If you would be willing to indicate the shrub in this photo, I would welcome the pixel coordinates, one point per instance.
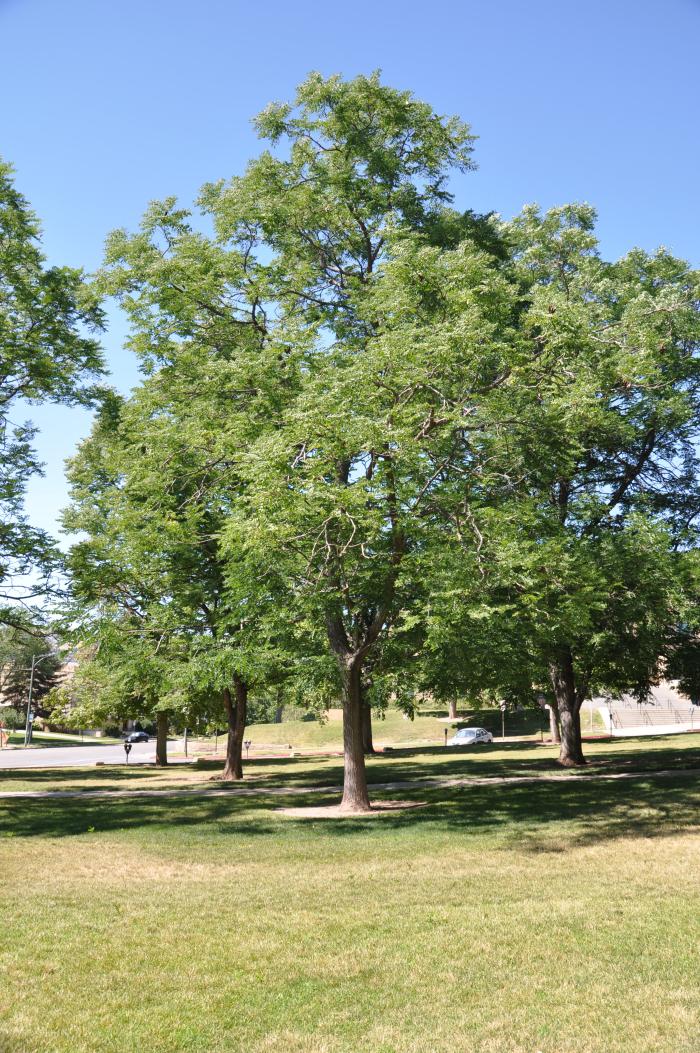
(12, 718)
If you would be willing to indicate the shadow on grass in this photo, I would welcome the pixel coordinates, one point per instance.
(409, 764)
(38, 777)
(500, 760)
(534, 817)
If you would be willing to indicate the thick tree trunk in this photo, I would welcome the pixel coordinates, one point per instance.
(570, 753)
(568, 704)
(355, 793)
(554, 722)
(452, 709)
(161, 739)
(236, 713)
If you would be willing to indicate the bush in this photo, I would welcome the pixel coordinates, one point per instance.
(12, 718)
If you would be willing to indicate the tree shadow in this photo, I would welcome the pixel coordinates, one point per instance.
(546, 816)
(117, 773)
(414, 763)
(68, 817)
(538, 816)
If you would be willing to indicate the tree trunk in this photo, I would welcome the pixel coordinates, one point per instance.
(355, 793)
(564, 684)
(554, 722)
(367, 742)
(452, 709)
(161, 739)
(236, 714)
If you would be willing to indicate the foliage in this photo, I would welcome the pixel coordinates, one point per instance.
(46, 354)
(383, 448)
(12, 718)
(18, 649)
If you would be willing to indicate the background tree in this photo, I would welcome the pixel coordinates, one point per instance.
(150, 497)
(602, 455)
(17, 651)
(119, 678)
(45, 355)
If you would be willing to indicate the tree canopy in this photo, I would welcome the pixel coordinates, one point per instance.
(48, 352)
(382, 446)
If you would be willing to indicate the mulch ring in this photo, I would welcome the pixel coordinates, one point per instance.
(334, 811)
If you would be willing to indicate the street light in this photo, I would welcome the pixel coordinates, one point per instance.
(30, 714)
(542, 703)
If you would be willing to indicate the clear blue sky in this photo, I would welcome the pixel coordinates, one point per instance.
(107, 105)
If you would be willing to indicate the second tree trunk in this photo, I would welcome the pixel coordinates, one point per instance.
(367, 740)
(236, 707)
(355, 793)
(161, 739)
(554, 723)
(568, 705)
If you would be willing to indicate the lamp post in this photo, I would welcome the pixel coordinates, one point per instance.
(30, 716)
(542, 703)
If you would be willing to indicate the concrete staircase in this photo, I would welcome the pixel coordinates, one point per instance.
(666, 712)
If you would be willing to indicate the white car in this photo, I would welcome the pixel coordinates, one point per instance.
(470, 736)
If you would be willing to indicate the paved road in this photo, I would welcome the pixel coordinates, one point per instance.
(76, 756)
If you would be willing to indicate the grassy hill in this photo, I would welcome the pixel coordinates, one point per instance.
(393, 730)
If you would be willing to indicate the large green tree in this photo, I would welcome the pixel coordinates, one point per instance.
(47, 353)
(279, 291)
(598, 464)
(355, 163)
(339, 495)
(121, 675)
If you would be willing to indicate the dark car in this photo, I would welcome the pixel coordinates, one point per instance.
(136, 736)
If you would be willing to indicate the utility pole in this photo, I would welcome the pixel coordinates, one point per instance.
(30, 716)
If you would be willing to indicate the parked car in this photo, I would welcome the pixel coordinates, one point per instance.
(470, 736)
(136, 736)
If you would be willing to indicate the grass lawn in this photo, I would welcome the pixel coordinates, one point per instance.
(416, 763)
(46, 739)
(394, 728)
(554, 916)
